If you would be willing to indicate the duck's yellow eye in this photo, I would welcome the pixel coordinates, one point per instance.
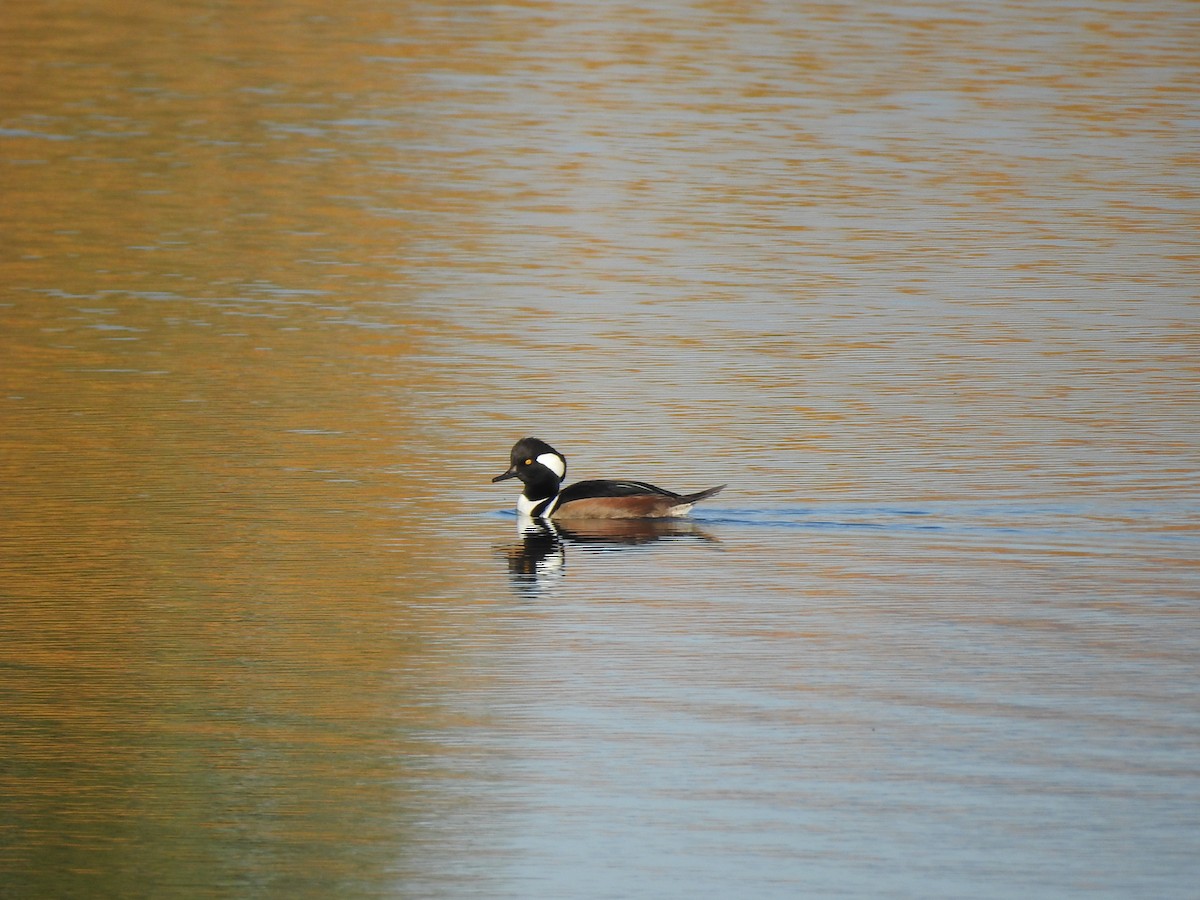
(529, 462)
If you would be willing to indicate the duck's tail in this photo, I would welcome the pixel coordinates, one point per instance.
(685, 503)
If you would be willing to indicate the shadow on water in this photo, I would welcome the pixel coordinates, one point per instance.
(539, 559)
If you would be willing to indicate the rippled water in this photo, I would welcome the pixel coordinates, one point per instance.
(283, 283)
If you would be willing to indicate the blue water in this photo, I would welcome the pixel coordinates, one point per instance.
(943, 702)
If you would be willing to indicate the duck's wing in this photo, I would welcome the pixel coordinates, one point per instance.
(603, 487)
(623, 500)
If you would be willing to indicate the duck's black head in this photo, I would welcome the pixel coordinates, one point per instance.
(538, 465)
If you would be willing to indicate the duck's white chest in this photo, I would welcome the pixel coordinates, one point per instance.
(527, 507)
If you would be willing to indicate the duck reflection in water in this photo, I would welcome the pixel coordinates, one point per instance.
(539, 560)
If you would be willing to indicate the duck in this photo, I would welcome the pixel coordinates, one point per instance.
(542, 469)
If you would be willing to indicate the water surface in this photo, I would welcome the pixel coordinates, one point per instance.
(282, 285)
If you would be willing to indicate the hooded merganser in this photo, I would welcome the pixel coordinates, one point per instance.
(542, 469)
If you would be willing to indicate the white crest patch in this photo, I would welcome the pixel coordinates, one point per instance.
(554, 463)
